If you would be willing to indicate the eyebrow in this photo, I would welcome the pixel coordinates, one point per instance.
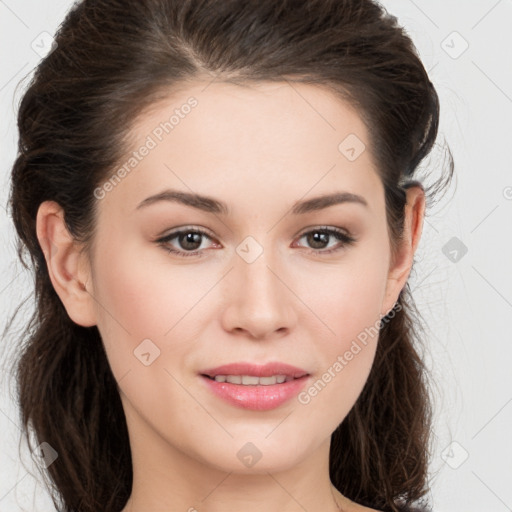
(211, 205)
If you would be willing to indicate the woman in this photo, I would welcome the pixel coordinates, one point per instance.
(219, 202)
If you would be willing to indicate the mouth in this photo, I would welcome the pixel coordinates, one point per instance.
(254, 387)
(252, 380)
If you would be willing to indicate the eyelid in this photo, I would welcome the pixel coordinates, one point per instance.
(186, 227)
(325, 227)
(302, 232)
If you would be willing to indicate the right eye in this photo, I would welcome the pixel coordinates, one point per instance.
(190, 240)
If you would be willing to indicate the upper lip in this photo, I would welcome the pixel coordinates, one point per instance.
(265, 370)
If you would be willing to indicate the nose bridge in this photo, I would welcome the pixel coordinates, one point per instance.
(259, 301)
(259, 282)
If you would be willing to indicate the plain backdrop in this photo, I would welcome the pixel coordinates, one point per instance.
(461, 281)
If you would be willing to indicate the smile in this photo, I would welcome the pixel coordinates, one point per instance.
(252, 380)
(255, 387)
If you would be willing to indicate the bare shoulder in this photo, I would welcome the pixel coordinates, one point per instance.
(360, 508)
(351, 506)
(355, 507)
(348, 505)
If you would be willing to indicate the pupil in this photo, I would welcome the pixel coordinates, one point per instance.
(318, 240)
(190, 238)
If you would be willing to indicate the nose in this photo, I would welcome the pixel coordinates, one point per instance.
(259, 302)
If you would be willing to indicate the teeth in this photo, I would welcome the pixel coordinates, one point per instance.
(275, 379)
(247, 380)
(251, 380)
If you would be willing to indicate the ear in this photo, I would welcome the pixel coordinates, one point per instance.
(68, 267)
(401, 262)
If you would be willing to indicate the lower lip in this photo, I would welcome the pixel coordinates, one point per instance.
(256, 398)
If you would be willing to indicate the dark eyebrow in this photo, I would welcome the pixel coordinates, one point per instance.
(205, 203)
(320, 202)
(210, 205)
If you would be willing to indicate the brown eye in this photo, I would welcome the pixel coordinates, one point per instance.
(187, 242)
(190, 240)
(319, 239)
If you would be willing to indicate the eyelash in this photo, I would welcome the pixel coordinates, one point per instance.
(345, 239)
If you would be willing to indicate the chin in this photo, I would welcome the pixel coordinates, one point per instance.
(253, 457)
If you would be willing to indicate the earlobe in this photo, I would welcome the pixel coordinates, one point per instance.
(403, 259)
(68, 267)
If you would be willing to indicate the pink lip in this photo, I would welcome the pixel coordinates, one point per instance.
(266, 370)
(258, 397)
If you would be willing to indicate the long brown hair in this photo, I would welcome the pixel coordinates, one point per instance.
(113, 59)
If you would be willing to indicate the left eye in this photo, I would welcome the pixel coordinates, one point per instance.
(190, 241)
(318, 237)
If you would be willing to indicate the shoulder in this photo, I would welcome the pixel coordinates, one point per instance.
(355, 507)
(348, 505)
(416, 508)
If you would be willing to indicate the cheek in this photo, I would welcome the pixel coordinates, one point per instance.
(348, 300)
(348, 295)
(347, 356)
(141, 297)
(135, 303)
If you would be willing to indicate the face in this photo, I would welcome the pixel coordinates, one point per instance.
(260, 271)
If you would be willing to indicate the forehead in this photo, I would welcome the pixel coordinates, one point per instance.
(263, 109)
(277, 138)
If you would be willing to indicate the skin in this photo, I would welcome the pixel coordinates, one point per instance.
(259, 148)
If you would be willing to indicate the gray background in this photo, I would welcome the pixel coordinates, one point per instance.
(466, 299)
